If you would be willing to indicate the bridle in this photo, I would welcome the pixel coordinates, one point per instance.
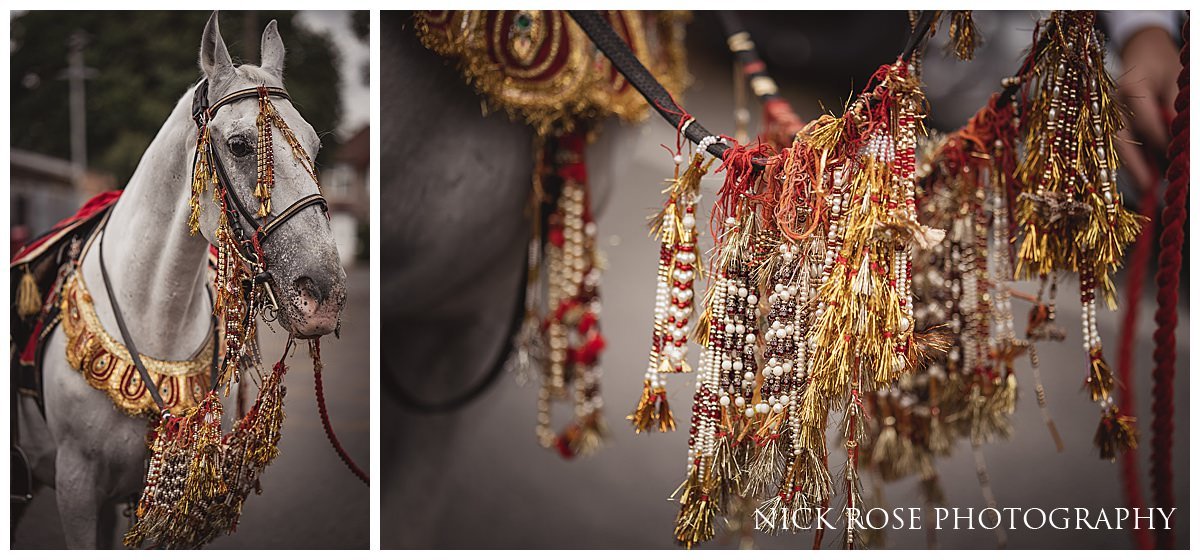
(249, 246)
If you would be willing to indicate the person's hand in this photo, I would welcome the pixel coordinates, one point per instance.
(1150, 59)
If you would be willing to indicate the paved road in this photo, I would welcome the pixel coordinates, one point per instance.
(309, 500)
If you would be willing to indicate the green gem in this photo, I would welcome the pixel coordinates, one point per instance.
(524, 21)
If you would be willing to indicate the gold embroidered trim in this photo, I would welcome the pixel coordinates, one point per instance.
(539, 66)
(106, 364)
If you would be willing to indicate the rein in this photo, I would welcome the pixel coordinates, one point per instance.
(134, 354)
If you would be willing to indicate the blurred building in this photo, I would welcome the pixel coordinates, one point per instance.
(345, 187)
(44, 190)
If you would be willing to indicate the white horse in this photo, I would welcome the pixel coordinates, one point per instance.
(91, 453)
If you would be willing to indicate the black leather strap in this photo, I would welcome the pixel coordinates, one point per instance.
(618, 52)
(314, 199)
(231, 196)
(245, 94)
(129, 344)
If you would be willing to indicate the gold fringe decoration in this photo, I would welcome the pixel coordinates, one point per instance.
(203, 175)
(652, 409)
(29, 297)
(666, 421)
(964, 35)
(694, 524)
(1116, 434)
(644, 415)
(264, 155)
(679, 267)
(1070, 212)
(198, 480)
(585, 435)
(1100, 379)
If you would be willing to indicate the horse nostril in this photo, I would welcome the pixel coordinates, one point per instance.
(306, 286)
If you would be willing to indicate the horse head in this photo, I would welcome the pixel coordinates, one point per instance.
(300, 255)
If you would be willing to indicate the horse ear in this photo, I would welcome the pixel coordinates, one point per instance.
(214, 56)
(272, 51)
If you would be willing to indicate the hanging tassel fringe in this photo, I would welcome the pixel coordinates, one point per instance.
(694, 524)
(29, 297)
(1116, 434)
(964, 35)
(1100, 377)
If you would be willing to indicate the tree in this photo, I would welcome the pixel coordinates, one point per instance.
(144, 62)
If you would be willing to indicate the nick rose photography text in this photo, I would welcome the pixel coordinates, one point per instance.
(1012, 518)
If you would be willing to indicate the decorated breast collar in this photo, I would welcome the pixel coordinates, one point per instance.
(107, 365)
(539, 66)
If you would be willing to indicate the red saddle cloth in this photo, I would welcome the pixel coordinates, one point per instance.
(93, 208)
(42, 259)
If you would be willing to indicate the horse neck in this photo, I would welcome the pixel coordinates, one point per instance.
(156, 268)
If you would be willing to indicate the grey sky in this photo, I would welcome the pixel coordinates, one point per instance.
(355, 56)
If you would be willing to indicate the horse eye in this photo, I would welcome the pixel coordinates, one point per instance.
(239, 147)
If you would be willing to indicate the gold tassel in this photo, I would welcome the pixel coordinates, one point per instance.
(694, 524)
(928, 345)
(885, 450)
(964, 35)
(588, 436)
(1004, 400)
(788, 504)
(765, 466)
(725, 464)
(1116, 434)
(29, 297)
(813, 478)
(204, 480)
(1100, 378)
(643, 415)
(201, 177)
(666, 420)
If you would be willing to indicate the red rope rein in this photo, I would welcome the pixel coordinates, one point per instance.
(1170, 261)
(314, 348)
(1139, 263)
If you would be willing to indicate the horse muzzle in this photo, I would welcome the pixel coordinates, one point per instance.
(315, 308)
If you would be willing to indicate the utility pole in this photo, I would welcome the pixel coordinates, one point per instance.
(250, 37)
(76, 76)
